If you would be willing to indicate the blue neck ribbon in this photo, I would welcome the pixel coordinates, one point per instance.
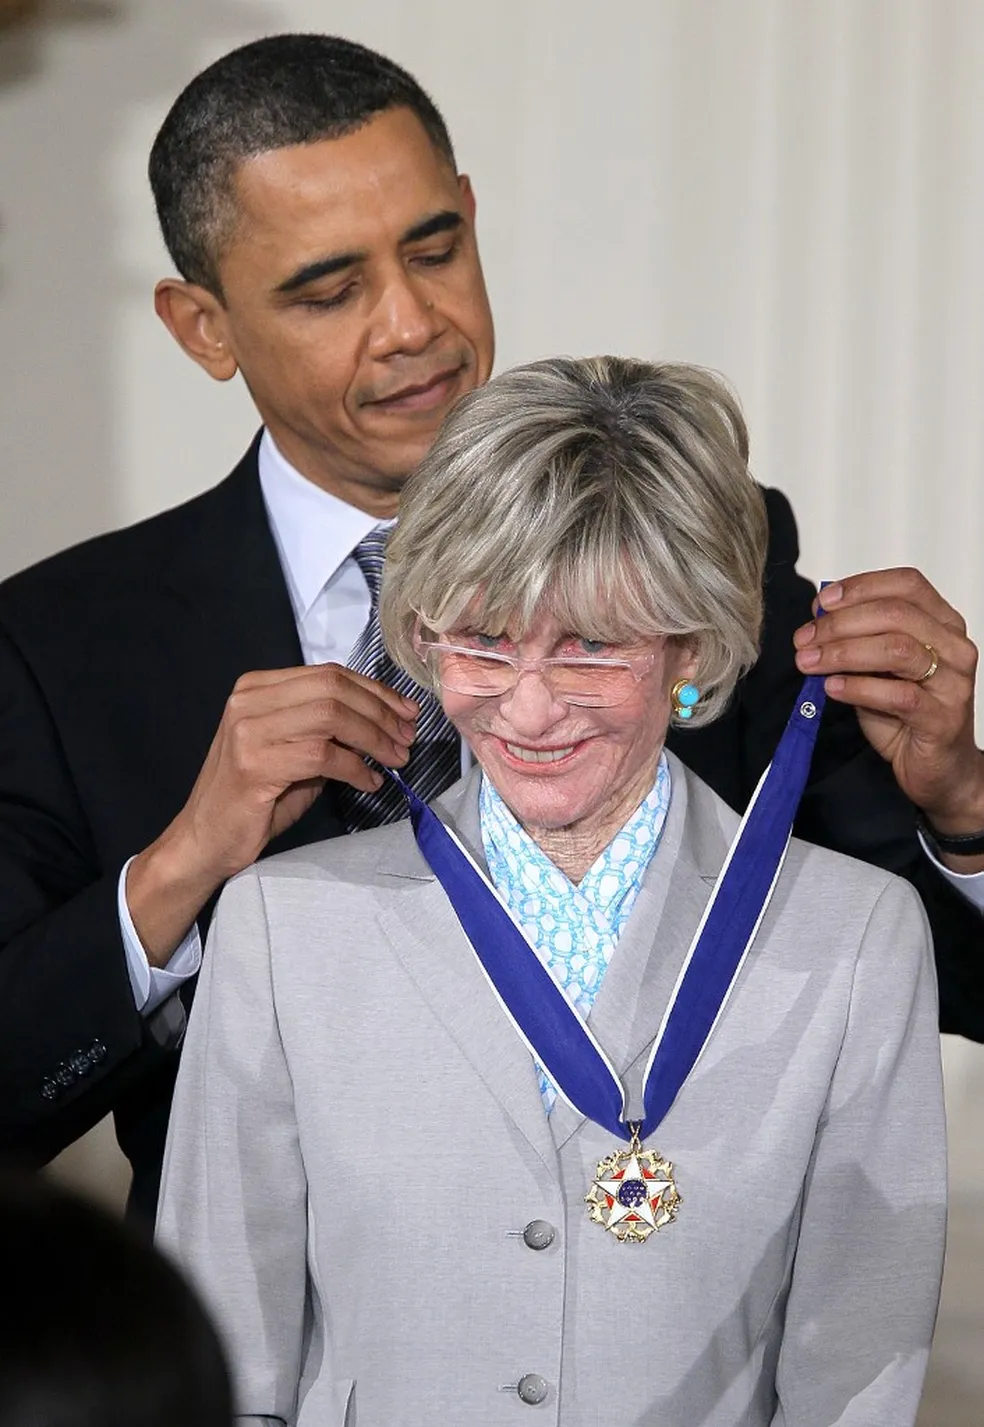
(540, 1012)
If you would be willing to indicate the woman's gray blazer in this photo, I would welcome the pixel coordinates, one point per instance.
(358, 1143)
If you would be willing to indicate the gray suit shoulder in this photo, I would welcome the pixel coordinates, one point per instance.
(348, 857)
(357, 855)
(838, 869)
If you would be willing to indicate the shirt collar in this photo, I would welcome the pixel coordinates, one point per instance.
(314, 531)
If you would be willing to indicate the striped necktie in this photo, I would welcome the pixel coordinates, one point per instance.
(435, 756)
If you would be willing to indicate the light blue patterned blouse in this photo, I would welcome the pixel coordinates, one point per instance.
(574, 928)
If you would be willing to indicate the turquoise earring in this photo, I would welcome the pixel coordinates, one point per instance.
(684, 695)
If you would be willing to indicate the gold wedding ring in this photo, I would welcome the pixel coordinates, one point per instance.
(934, 664)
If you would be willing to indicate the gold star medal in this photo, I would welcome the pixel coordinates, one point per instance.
(634, 1193)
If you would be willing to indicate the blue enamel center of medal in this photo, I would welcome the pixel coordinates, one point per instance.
(632, 1193)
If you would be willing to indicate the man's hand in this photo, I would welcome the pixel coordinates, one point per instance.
(878, 641)
(284, 732)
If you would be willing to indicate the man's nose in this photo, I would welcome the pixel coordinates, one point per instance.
(405, 319)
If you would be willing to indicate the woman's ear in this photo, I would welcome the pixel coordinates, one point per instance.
(687, 660)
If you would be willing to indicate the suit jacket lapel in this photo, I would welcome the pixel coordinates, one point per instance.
(230, 613)
(228, 571)
(644, 969)
(435, 953)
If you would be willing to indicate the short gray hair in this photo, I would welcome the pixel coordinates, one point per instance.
(614, 492)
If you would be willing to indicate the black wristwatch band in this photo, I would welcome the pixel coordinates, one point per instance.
(963, 844)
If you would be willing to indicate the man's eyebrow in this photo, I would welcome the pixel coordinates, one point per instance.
(447, 221)
(323, 267)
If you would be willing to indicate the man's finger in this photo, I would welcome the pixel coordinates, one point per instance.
(333, 695)
(329, 677)
(904, 656)
(344, 766)
(882, 637)
(325, 720)
(276, 770)
(930, 708)
(903, 584)
(874, 617)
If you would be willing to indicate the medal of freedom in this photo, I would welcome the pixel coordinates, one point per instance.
(634, 1193)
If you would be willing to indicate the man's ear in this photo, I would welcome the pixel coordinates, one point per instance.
(197, 321)
(467, 195)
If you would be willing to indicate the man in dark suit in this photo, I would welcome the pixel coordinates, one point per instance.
(174, 698)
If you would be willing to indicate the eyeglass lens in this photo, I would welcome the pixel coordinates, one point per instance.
(579, 682)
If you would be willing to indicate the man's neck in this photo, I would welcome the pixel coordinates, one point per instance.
(377, 496)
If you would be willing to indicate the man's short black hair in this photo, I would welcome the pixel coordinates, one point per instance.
(270, 94)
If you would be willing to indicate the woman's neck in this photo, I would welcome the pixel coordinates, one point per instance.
(570, 849)
(576, 848)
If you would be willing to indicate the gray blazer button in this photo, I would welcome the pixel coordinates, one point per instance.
(538, 1234)
(532, 1388)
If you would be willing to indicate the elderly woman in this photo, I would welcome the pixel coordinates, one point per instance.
(564, 1106)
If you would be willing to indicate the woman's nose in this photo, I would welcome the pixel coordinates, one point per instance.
(530, 706)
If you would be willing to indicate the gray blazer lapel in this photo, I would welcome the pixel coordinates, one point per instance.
(644, 969)
(435, 953)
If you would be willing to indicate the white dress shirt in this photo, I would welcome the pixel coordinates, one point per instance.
(970, 885)
(315, 534)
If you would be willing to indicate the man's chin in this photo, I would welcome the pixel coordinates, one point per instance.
(391, 476)
(391, 485)
(396, 467)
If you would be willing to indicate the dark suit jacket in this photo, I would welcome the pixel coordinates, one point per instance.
(116, 659)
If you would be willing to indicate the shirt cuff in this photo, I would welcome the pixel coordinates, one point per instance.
(153, 984)
(970, 885)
